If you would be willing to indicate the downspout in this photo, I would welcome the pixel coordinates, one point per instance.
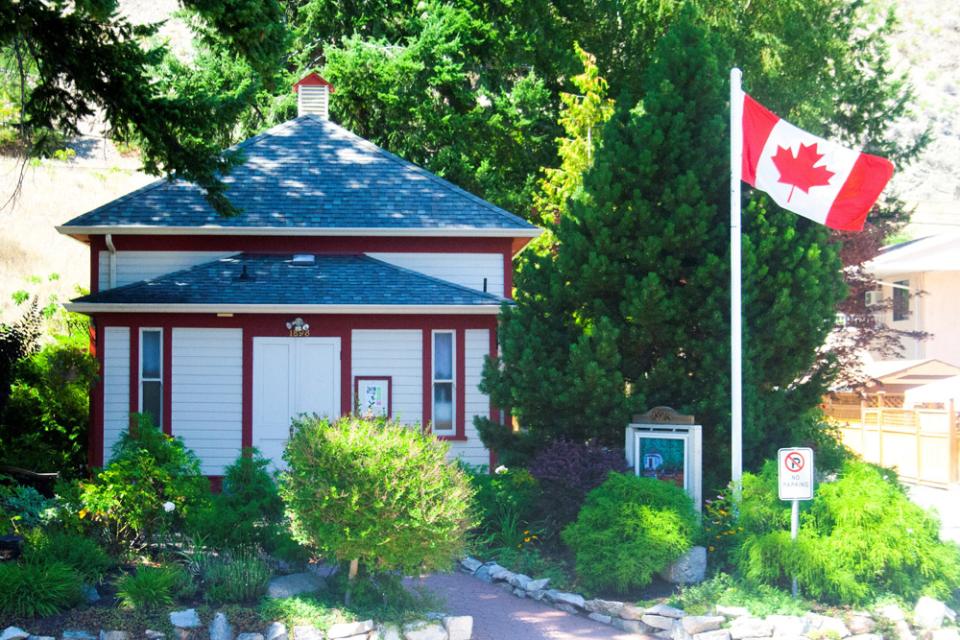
(112, 272)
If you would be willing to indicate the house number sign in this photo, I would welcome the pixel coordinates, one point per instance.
(298, 328)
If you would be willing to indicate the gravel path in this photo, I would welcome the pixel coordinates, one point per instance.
(498, 615)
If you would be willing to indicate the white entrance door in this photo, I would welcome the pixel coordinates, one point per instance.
(292, 376)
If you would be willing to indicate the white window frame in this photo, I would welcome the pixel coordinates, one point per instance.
(452, 431)
(901, 292)
(141, 379)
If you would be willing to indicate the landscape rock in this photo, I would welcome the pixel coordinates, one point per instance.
(861, 623)
(690, 568)
(867, 636)
(499, 573)
(663, 634)
(600, 617)
(891, 612)
(569, 608)
(114, 635)
(788, 626)
(666, 611)
(90, 593)
(631, 612)
(458, 627)
(294, 584)
(562, 597)
(750, 627)
(323, 570)
(520, 593)
(826, 624)
(929, 613)
(41, 638)
(537, 595)
(185, 619)
(606, 607)
(249, 636)
(150, 634)
(903, 631)
(220, 628)
(719, 634)
(484, 572)
(470, 565)
(519, 581)
(276, 631)
(74, 634)
(951, 615)
(701, 624)
(389, 631)
(346, 629)
(678, 632)
(537, 585)
(658, 622)
(307, 632)
(424, 631)
(630, 626)
(731, 612)
(14, 633)
(945, 633)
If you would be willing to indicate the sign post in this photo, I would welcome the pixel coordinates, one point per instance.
(795, 475)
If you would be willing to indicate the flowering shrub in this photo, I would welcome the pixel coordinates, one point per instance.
(125, 502)
(628, 529)
(567, 471)
(504, 504)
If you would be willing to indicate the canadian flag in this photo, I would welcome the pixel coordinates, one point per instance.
(810, 176)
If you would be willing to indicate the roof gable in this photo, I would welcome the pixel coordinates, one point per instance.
(310, 175)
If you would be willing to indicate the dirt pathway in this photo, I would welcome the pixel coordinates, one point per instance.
(498, 615)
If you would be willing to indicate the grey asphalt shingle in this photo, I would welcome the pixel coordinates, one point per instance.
(274, 279)
(311, 173)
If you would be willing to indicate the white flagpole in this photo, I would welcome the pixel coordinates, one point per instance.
(736, 376)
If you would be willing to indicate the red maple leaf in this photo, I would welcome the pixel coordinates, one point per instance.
(798, 171)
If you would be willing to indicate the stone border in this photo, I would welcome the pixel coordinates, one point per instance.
(726, 623)
(439, 627)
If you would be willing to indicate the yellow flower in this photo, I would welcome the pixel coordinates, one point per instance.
(711, 548)
(83, 513)
(526, 533)
(527, 539)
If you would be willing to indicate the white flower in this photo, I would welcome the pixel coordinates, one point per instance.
(500, 470)
(169, 506)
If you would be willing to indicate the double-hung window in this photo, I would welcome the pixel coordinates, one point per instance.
(443, 376)
(901, 300)
(151, 374)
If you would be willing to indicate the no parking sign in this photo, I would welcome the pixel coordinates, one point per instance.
(795, 471)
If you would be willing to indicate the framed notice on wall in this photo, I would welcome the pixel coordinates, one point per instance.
(372, 396)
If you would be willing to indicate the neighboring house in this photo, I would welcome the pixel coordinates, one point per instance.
(350, 279)
(923, 279)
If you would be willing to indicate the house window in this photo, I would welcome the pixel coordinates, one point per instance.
(151, 374)
(901, 300)
(443, 404)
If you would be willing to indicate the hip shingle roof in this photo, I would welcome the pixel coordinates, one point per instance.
(309, 173)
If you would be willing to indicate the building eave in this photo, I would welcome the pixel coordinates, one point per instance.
(217, 230)
(320, 309)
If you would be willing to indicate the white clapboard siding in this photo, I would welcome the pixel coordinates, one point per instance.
(116, 386)
(477, 403)
(134, 266)
(394, 353)
(207, 397)
(467, 269)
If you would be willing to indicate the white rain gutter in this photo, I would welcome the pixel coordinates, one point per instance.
(112, 277)
(359, 309)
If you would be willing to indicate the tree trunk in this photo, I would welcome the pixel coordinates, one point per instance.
(351, 577)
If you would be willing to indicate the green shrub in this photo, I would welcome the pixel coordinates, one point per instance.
(759, 599)
(248, 510)
(628, 529)
(153, 588)
(859, 538)
(504, 505)
(33, 589)
(125, 500)
(240, 577)
(24, 507)
(78, 552)
(376, 492)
